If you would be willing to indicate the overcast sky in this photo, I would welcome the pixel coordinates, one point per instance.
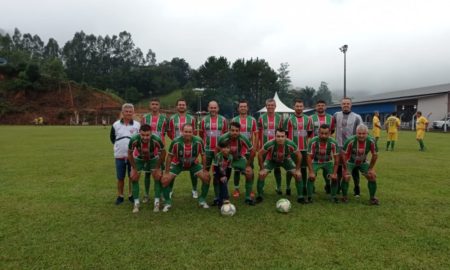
(393, 44)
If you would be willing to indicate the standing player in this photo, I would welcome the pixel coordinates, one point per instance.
(392, 124)
(277, 153)
(158, 123)
(356, 149)
(376, 126)
(182, 156)
(176, 122)
(249, 130)
(146, 154)
(120, 135)
(299, 128)
(212, 127)
(268, 123)
(323, 154)
(421, 127)
(346, 123)
(243, 153)
(320, 117)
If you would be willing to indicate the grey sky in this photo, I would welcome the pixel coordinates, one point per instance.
(393, 45)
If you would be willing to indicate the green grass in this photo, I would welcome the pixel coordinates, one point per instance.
(166, 100)
(57, 211)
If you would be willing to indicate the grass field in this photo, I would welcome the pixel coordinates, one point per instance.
(57, 211)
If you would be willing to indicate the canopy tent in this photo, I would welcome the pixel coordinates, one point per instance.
(281, 107)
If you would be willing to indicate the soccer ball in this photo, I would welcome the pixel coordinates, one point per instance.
(228, 209)
(283, 205)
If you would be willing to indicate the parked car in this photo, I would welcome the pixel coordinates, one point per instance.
(439, 124)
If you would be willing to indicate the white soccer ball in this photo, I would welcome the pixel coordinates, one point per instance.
(228, 209)
(283, 205)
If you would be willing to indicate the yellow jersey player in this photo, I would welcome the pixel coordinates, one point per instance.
(421, 127)
(392, 124)
(376, 129)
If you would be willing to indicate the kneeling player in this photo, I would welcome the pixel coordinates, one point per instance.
(145, 154)
(222, 171)
(322, 151)
(182, 156)
(356, 149)
(277, 153)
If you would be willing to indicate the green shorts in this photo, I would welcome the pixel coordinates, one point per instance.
(146, 165)
(209, 158)
(176, 169)
(288, 164)
(363, 167)
(304, 159)
(327, 167)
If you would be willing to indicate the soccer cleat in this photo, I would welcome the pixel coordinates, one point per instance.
(156, 207)
(215, 202)
(203, 205)
(301, 200)
(357, 196)
(344, 199)
(259, 199)
(327, 189)
(309, 200)
(374, 201)
(119, 200)
(166, 208)
(288, 192)
(130, 198)
(278, 191)
(236, 193)
(357, 191)
(250, 202)
(194, 194)
(145, 199)
(335, 200)
(136, 208)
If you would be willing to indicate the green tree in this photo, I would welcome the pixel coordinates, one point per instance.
(323, 93)
(284, 82)
(307, 94)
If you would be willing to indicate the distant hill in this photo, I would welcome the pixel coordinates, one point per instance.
(71, 104)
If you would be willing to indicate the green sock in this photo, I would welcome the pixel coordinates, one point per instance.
(166, 194)
(288, 180)
(372, 185)
(422, 146)
(392, 145)
(304, 179)
(171, 184)
(236, 179)
(147, 183)
(334, 188)
(387, 144)
(260, 187)
(344, 185)
(205, 188)
(194, 181)
(299, 187)
(157, 189)
(277, 173)
(135, 187)
(248, 188)
(310, 188)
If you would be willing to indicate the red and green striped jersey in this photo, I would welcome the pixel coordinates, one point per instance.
(148, 150)
(223, 162)
(186, 154)
(211, 128)
(356, 151)
(267, 126)
(297, 128)
(176, 123)
(321, 152)
(318, 120)
(278, 153)
(239, 146)
(248, 125)
(159, 124)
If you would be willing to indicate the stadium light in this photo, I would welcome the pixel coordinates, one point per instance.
(344, 50)
(199, 91)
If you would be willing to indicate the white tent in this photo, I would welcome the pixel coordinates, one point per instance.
(281, 107)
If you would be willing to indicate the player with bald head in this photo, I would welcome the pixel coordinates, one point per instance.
(212, 127)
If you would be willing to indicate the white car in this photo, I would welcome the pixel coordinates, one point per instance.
(439, 124)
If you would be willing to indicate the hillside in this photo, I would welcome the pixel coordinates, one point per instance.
(71, 104)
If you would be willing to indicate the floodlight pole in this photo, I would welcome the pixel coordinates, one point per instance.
(344, 50)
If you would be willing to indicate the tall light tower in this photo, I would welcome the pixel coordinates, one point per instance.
(344, 50)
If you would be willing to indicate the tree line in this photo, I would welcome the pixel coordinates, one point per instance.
(115, 64)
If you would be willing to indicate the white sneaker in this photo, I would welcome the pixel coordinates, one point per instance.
(136, 208)
(156, 207)
(203, 205)
(194, 194)
(166, 208)
(145, 199)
